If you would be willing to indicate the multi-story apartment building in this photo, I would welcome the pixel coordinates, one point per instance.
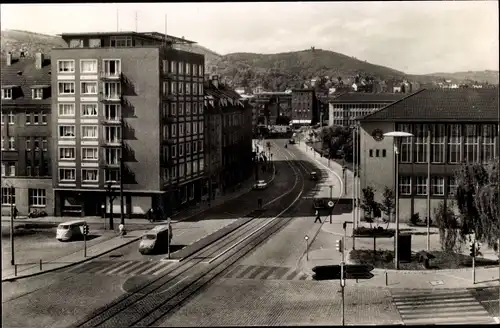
(26, 134)
(344, 109)
(463, 125)
(228, 148)
(273, 105)
(304, 107)
(128, 107)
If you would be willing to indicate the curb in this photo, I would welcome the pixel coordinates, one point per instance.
(71, 264)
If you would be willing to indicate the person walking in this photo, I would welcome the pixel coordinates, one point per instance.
(318, 218)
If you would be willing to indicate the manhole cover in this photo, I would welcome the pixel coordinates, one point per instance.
(437, 282)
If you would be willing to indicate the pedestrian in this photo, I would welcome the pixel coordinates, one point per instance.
(318, 218)
(121, 229)
(259, 202)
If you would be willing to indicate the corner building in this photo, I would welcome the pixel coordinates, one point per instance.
(463, 127)
(128, 96)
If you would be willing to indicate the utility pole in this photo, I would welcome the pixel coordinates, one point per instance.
(12, 213)
(331, 199)
(122, 215)
(428, 188)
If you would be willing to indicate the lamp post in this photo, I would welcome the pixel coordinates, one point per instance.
(111, 198)
(397, 135)
(331, 197)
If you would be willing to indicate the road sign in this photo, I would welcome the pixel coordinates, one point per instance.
(331, 203)
(352, 271)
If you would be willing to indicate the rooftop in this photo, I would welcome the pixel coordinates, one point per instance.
(24, 74)
(429, 105)
(367, 97)
(152, 35)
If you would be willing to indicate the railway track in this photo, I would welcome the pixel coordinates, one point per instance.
(155, 300)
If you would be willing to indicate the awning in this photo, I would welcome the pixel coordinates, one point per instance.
(40, 86)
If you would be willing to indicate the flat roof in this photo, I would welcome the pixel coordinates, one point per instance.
(151, 35)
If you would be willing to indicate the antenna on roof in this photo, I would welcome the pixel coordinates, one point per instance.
(136, 22)
(165, 38)
(117, 21)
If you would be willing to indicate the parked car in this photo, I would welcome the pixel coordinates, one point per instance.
(261, 184)
(291, 141)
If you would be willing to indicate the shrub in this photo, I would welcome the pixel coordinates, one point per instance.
(415, 218)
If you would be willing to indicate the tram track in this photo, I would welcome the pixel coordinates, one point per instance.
(141, 305)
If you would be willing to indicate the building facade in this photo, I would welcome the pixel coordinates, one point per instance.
(462, 124)
(128, 108)
(304, 107)
(344, 109)
(272, 105)
(228, 147)
(26, 134)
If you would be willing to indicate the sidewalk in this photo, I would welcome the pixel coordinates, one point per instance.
(104, 247)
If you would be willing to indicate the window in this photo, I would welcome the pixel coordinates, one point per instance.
(188, 148)
(44, 117)
(90, 175)
(181, 129)
(200, 71)
(421, 185)
(113, 134)
(181, 109)
(112, 175)
(165, 88)
(200, 127)
(195, 127)
(471, 153)
(11, 117)
(173, 172)
(89, 88)
(173, 88)
(112, 112)
(200, 89)
(195, 167)
(89, 110)
(7, 93)
(66, 88)
(188, 88)
(28, 169)
(405, 150)
(377, 153)
(66, 66)
(121, 41)
(405, 185)
(112, 67)
(454, 143)
(182, 168)
(67, 131)
(89, 131)
(2, 144)
(438, 135)
(67, 153)
(28, 117)
(94, 43)
(195, 108)
(188, 168)
(36, 144)
(188, 69)
(36, 118)
(173, 67)
(488, 142)
(88, 66)
(37, 197)
(173, 130)
(200, 146)
(76, 43)
(3, 169)
(28, 143)
(201, 165)
(113, 156)
(67, 174)
(180, 88)
(37, 93)
(195, 146)
(437, 186)
(12, 143)
(452, 186)
(90, 153)
(66, 109)
(45, 143)
(194, 88)
(112, 90)
(384, 153)
(371, 152)
(188, 108)
(181, 150)
(12, 169)
(181, 68)
(8, 196)
(173, 151)
(421, 133)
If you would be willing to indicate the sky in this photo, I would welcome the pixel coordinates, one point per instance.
(414, 37)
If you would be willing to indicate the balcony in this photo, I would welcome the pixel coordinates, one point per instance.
(110, 76)
(116, 120)
(111, 98)
(113, 142)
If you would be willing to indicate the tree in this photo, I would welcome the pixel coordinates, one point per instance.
(388, 204)
(369, 205)
(449, 228)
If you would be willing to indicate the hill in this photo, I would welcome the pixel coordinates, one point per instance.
(491, 77)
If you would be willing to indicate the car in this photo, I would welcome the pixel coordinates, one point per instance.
(261, 184)
(291, 141)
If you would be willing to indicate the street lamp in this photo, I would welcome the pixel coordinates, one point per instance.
(331, 197)
(397, 135)
(111, 198)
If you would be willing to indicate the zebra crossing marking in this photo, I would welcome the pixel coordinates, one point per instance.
(257, 272)
(120, 268)
(440, 307)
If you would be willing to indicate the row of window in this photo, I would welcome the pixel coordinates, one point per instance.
(36, 170)
(111, 133)
(109, 66)
(11, 143)
(69, 175)
(173, 88)
(32, 117)
(184, 169)
(437, 185)
(185, 129)
(378, 153)
(36, 197)
(450, 143)
(181, 109)
(111, 90)
(112, 155)
(186, 148)
(36, 93)
(182, 68)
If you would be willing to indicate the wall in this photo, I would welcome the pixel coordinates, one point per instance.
(22, 185)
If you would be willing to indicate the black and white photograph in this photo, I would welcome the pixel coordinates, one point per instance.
(202, 164)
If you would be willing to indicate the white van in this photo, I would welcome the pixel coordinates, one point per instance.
(155, 240)
(70, 230)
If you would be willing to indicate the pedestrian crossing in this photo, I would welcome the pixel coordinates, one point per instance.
(121, 268)
(440, 307)
(257, 272)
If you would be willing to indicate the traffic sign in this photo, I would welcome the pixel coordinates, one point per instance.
(331, 203)
(352, 271)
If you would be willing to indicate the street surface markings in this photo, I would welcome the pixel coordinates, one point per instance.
(488, 297)
(120, 268)
(265, 273)
(440, 307)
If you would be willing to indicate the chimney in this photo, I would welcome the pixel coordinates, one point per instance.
(39, 60)
(215, 81)
(9, 58)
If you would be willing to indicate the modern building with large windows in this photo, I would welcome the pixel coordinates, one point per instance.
(463, 128)
(129, 107)
(26, 134)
